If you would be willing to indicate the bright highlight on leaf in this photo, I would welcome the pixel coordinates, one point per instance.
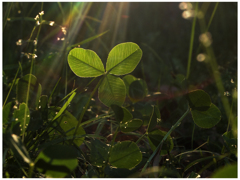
(123, 58)
(21, 117)
(131, 125)
(85, 63)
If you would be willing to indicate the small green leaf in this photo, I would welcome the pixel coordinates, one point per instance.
(230, 141)
(67, 124)
(138, 90)
(123, 58)
(112, 91)
(121, 114)
(199, 100)
(229, 171)
(180, 78)
(43, 102)
(156, 136)
(36, 121)
(98, 152)
(35, 90)
(155, 117)
(130, 125)
(125, 154)
(7, 112)
(128, 79)
(57, 161)
(208, 118)
(22, 116)
(85, 63)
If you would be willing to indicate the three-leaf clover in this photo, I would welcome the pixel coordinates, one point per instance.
(121, 60)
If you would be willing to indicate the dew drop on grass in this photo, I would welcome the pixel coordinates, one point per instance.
(16, 119)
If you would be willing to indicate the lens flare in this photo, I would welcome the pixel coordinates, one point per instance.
(206, 39)
(185, 5)
(188, 14)
(201, 57)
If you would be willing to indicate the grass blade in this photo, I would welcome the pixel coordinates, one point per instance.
(191, 42)
(64, 106)
(14, 80)
(86, 40)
